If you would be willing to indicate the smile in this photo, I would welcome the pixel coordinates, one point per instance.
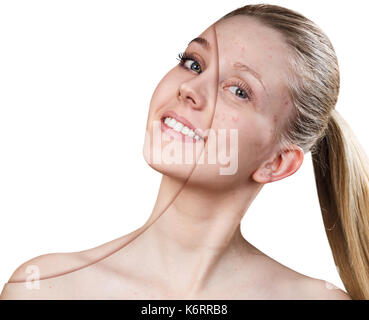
(180, 126)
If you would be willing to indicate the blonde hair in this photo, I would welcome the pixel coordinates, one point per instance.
(340, 165)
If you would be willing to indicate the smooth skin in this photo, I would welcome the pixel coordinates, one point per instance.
(192, 248)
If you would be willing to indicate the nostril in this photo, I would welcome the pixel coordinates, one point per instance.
(193, 101)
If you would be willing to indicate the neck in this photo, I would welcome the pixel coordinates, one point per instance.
(191, 236)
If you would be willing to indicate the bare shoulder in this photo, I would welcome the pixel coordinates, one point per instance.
(52, 265)
(316, 289)
(298, 286)
(45, 266)
(56, 264)
(286, 283)
(32, 271)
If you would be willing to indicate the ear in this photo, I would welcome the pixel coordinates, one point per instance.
(285, 163)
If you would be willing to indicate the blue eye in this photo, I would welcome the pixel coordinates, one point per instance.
(242, 90)
(194, 65)
(239, 92)
(186, 57)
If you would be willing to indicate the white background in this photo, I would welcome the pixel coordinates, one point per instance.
(76, 79)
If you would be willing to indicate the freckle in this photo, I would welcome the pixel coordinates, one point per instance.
(275, 118)
(235, 119)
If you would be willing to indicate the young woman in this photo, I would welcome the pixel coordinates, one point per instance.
(259, 85)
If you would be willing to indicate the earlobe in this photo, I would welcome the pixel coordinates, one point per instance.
(283, 165)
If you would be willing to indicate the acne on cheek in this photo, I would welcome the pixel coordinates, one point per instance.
(223, 117)
(285, 103)
(235, 119)
(275, 124)
(220, 116)
(285, 109)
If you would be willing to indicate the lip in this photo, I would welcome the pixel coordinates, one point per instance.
(179, 118)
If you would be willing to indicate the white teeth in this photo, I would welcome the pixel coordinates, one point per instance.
(180, 127)
(172, 123)
(185, 130)
(191, 133)
(166, 121)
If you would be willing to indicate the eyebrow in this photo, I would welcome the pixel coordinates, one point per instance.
(237, 65)
(242, 67)
(205, 43)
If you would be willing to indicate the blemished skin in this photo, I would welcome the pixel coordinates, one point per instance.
(192, 248)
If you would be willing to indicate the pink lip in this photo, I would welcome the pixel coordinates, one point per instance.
(186, 122)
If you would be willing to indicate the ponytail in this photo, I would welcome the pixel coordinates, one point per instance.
(340, 166)
(342, 178)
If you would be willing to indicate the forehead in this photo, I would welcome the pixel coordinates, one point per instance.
(246, 40)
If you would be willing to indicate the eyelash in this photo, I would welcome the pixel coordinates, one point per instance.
(184, 56)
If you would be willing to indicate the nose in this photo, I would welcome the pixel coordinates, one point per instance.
(190, 94)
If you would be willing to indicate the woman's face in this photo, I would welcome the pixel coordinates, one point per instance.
(232, 80)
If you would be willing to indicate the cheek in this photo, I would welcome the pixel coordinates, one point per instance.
(275, 124)
(254, 132)
(255, 139)
(226, 119)
(166, 89)
(235, 119)
(281, 114)
(162, 90)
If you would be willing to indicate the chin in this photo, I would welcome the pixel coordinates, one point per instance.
(178, 171)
